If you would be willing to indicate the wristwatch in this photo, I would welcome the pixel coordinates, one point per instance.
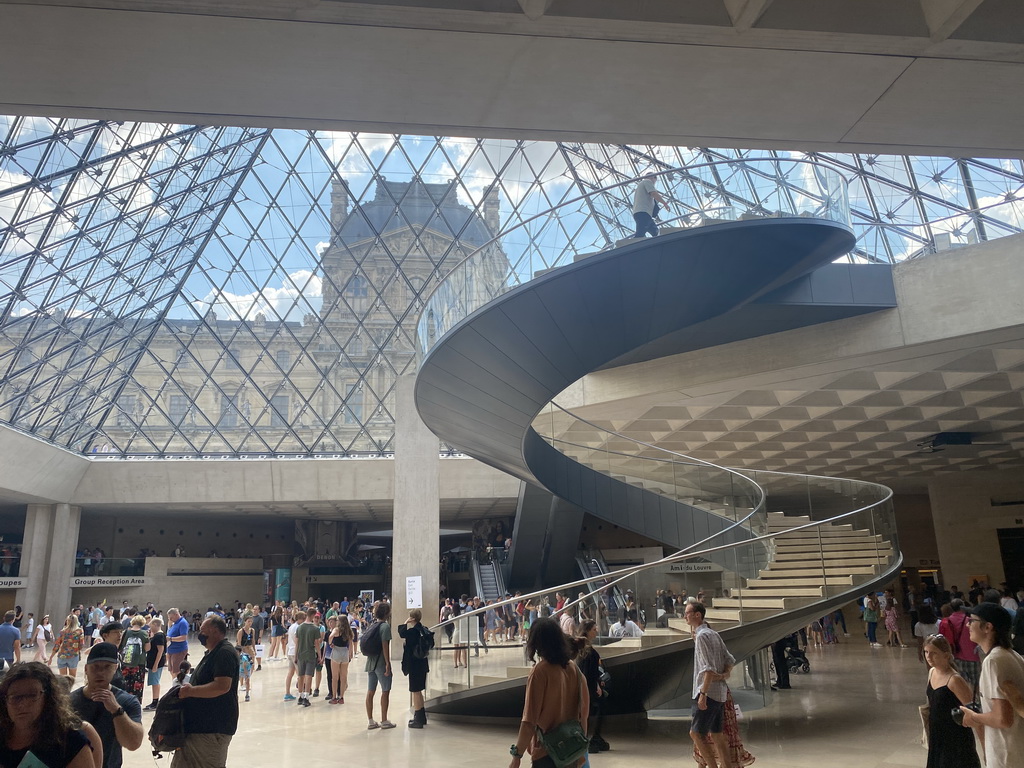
(514, 751)
(120, 711)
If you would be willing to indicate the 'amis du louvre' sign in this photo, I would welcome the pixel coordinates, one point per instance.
(111, 581)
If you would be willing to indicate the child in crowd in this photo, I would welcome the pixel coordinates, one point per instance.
(184, 674)
(244, 669)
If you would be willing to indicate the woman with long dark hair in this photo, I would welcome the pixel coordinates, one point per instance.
(36, 716)
(556, 691)
(589, 661)
(342, 642)
(277, 632)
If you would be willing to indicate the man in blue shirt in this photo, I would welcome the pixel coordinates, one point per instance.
(10, 641)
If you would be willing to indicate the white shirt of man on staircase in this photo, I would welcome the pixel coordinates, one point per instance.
(626, 627)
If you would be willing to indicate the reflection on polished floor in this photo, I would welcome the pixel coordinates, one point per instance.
(857, 708)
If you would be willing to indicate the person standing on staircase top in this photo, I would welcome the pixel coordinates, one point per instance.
(712, 664)
(646, 199)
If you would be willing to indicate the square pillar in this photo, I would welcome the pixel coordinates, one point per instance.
(417, 518)
(35, 557)
(63, 546)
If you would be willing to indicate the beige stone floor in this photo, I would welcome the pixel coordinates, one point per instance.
(857, 708)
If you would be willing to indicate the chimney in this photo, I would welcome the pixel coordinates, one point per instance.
(339, 204)
(492, 206)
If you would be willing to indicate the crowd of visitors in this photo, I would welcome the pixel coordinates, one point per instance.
(973, 668)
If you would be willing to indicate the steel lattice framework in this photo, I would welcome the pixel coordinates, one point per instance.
(187, 290)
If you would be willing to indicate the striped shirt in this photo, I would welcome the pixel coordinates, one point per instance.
(710, 653)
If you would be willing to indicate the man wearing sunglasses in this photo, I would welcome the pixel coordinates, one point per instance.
(1002, 729)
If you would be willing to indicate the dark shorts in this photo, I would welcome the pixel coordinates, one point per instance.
(305, 668)
(278, 631)
(710, 720)
(418, 678)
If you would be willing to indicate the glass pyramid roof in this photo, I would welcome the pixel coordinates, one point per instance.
(171, 290)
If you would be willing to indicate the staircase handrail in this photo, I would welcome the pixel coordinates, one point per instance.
(682, 556)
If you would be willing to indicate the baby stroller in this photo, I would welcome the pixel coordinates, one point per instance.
(796, 659)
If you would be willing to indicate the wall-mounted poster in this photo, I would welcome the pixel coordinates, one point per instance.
(325, 542)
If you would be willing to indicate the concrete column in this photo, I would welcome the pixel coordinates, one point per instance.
(417, 526)
(35, 558)
(63, 545)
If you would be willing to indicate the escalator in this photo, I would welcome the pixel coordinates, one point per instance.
(789, 547)
(487, 579)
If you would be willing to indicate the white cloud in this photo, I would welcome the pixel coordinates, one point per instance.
(522, 169)
(1009, 211)
(276, 303)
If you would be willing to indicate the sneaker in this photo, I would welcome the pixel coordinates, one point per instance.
(341, 699)
(247, 697)
(301, 702)
(305, 702)
(316, 693)
(386, 724)
(415, 724)
(289, 697)
(372, 724)
(149, 707)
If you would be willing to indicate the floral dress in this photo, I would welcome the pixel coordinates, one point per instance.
(69, 644)
(891, 619)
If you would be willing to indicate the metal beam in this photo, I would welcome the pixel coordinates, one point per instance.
(745, 13)
(944, 17)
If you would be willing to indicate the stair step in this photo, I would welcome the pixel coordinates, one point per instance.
(829, 572)
(777, 525)
(822, 533)
(798, 581)
(756, 590)
(518, 671)
(832, 546)
(479, 680)
(735, 614)
(833, 561)
(777, 603)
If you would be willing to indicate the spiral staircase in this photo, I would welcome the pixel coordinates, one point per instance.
(494, 358)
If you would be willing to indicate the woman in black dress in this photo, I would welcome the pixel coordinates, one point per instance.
(949, 745)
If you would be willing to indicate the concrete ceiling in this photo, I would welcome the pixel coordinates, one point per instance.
(870, 424)
(855, 398)
(915, 76)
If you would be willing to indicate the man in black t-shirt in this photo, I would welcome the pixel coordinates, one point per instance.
(211, 701)
(115, 714)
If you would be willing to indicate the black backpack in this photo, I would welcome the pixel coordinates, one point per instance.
(167, 733)
(370, 643)
(424, 643)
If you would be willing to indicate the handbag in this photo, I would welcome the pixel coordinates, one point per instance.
(566, 743)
